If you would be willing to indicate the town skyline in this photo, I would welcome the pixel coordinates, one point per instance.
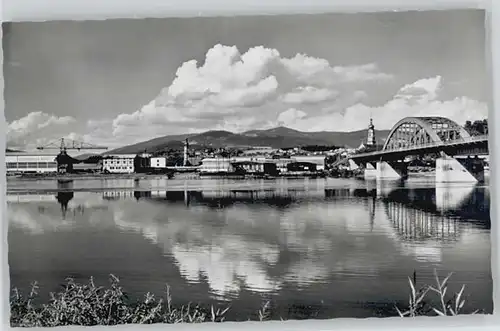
(241, 80)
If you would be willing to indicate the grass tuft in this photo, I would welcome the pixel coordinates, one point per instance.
(419, 302)
(89, 305)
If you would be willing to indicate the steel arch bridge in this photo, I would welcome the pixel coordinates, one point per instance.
(415, 135)
(420, 131)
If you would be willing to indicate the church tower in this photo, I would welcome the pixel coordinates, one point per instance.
(186, 147)
(370, 141)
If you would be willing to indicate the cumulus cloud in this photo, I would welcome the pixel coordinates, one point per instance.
(99, 132)
(361, 73)
(37, 127)
(41, 129)
(309, 94)
(230, 88)
(429, 86)
(259, 89)
(290, 116)
(420, 98)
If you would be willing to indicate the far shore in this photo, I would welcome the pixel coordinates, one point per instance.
(180, 175)
(37, 177)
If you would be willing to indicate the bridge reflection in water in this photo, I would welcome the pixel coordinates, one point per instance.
(416, 215)
(262, 240)
(420, 206)
(418, 225)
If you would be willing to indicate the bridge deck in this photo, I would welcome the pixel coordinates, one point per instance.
(434, 146)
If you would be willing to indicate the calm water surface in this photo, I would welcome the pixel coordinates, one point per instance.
(341, 247)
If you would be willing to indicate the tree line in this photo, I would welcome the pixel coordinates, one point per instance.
(478, 127)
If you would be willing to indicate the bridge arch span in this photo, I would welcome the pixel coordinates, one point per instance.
(415, 131)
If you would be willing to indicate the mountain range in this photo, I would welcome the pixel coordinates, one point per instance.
(279, 137)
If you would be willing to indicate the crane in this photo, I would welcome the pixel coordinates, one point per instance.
(73, 144)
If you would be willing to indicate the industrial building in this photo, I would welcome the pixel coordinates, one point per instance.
(216, 165)
(282, 164)
(257, 168)
(300, 167)
(65, 163)
(262, 165)
(119, 163)
(232, 164)
(142, 163)
(318, 160)
(30, 162)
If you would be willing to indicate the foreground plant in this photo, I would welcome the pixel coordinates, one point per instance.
(88, 305)
(418, 306)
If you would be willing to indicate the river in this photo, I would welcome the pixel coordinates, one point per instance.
(318, 247)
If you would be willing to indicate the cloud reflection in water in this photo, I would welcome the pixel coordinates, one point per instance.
(264, 240)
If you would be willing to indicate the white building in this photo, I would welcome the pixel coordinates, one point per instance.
(216, 165)
(159, 162)
(119, 163)
(30, 163)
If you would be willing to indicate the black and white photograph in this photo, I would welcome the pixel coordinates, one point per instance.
(248, 168)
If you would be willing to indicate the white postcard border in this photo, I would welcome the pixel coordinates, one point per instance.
(41, 10)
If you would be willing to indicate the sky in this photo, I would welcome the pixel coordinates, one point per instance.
(116, 82)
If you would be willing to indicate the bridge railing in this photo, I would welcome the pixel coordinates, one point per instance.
(471, 139)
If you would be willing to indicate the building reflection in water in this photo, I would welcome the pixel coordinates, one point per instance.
(267, 237)
(117, 194)
(64, 198)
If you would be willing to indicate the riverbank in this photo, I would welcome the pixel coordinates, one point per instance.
(181, 175)
(139, 176)
(66, 177)
(90, 305)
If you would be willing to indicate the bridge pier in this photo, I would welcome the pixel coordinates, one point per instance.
(370, 172)
(353, 165)
(390, 170)
(450, 169)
